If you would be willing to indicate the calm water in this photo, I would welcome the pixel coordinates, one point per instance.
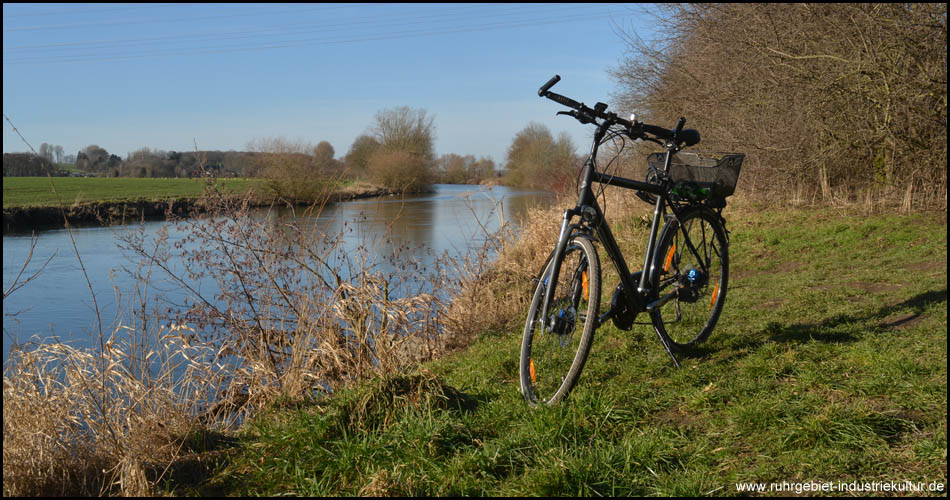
(58, 302)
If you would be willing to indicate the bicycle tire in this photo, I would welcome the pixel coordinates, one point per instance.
(688, 319)
(552, 358)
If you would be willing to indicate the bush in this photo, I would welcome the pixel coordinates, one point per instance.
(400, 170)
(537, 160)
(290, 172)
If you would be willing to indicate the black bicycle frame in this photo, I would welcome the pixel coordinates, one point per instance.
(635, 294)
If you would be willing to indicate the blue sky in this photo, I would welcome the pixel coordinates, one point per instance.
(168, 76)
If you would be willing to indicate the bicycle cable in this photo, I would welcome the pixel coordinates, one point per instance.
(603, 186)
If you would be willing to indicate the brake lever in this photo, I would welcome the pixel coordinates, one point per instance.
(579, 116)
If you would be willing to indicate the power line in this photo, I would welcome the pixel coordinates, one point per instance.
(310, 41)
(85, 11)
(173, 20)
(390, 20)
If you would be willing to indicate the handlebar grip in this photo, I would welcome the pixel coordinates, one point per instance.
(679, 126)
(566, 101)
(662, 133)
(544, 88)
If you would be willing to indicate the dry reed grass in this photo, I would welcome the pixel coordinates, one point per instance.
(84, 422)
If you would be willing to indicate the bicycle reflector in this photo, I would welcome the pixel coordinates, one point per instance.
(585, 285)
(669, 258)
(531, 369)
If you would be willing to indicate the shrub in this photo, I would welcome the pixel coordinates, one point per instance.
(400, 170)
(537, 160)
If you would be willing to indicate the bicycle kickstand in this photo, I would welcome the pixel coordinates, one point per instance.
(668, 350)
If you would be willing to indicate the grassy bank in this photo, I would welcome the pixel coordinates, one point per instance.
(30, 202)
(36, 191)
(829, 364)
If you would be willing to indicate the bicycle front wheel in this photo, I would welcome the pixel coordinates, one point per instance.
(554, 348)
(691, 272)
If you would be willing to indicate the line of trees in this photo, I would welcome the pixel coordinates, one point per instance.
(47, 161)
(457, 169)
(827, 100)
(396, 152)
(29, 165)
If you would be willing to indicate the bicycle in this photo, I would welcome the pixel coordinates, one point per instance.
(685, 274)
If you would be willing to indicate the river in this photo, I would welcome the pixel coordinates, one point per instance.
(58, 302)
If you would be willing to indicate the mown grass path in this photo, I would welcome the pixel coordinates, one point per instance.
(829, 365)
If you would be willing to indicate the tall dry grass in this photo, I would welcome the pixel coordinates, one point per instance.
(89, 422)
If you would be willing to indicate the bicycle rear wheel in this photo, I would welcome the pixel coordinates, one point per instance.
(694, 280)
(553, 355)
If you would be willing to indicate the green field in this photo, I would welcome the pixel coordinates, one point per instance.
(37, 191)
(829, 366)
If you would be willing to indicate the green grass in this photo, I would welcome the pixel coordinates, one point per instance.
(36, 191)
(828, 364)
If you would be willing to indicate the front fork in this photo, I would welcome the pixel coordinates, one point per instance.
(551, 279)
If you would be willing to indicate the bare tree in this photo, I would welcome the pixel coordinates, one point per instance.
(455, 168)
(828, 101)
(481, 169)
(404, 134)
(46, 151)
(94, 158)
(537, 160)
(400, 170)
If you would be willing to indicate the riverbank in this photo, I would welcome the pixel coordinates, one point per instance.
(823, 367)
(29, 204)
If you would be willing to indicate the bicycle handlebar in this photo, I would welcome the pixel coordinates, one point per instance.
(544, 88)
(635, 129)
